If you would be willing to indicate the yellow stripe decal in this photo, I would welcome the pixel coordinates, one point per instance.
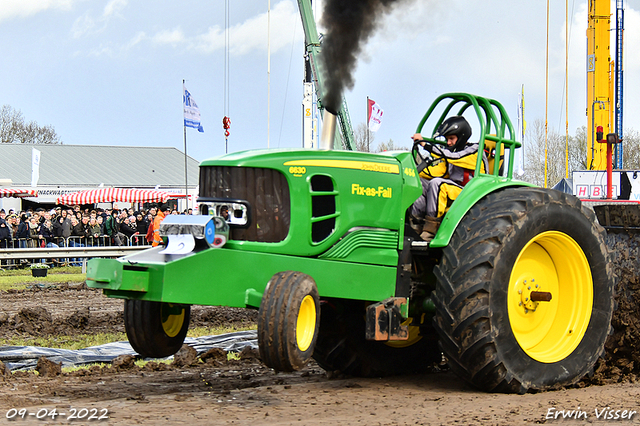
(348, 164)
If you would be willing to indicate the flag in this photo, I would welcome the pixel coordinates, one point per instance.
(35, 167)
(522, 127)
(191, 111)
(521, 114)
(375, 115)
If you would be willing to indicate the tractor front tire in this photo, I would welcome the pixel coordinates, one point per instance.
(288, 321)
(156, 329)
(510, 244)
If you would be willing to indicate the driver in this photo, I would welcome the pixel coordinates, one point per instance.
(443, 180)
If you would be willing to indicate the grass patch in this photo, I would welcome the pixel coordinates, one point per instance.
(233, 356)
(213, 331)
(27, 271)
(79, 341)
(139, 362)
(72, 368)
(21, 278)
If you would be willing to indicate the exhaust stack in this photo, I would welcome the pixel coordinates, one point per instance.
(328, 136)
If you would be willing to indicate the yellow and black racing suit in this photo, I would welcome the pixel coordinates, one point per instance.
(442, 182)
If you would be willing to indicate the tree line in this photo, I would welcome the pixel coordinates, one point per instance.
(534, 151)
(558, 145)
(15, 129)
(365, 141)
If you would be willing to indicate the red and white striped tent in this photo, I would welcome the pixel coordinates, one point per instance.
(109, 195)
(18, 192)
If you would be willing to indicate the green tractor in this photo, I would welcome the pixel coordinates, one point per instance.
(515, 289)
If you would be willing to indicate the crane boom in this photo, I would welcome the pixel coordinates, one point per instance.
(312, 43)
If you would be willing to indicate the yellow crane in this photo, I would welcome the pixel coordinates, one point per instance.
(600, 94)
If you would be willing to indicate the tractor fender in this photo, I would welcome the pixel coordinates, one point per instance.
(477, 188)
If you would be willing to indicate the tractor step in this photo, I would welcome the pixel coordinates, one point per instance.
(419, 245)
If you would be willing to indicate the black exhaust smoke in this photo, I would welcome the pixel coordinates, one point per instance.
(349, 25)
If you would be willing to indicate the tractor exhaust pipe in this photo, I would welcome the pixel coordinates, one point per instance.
(328, 136)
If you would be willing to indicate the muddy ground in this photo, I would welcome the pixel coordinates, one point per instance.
(66, 309)
(212, 390)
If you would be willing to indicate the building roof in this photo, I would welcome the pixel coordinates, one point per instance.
(91, 165)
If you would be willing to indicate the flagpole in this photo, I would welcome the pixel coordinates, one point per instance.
(524, 124)
(186, 188)
(366, 125)
(268, 69)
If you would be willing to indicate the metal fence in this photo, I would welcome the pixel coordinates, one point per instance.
(72, 251)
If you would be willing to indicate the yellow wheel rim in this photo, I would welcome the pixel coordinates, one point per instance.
(549, 331)
(172, 323)
(306, 325)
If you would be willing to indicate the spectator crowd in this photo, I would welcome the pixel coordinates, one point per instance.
(75, 227)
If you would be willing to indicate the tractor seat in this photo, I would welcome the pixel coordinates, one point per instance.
(490, 152)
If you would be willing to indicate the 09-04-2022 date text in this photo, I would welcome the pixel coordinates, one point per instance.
(53, 413)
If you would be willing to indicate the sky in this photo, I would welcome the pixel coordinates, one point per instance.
(110, 72)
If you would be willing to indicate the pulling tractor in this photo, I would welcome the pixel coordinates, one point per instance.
(515, 289)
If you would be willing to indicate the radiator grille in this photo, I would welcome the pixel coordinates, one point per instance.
(323, 208)
(266, 191)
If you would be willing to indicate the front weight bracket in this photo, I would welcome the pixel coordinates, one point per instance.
(384, 320)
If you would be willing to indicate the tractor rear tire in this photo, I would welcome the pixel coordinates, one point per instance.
(156, 329)
(511, 241)
(288, 321)
(342, 346)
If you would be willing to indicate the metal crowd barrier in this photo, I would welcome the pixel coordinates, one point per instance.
(67, 251)
(81, 254)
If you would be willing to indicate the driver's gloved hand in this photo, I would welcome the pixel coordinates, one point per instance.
(428, 147)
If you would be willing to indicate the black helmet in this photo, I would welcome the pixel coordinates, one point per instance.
(458, 126)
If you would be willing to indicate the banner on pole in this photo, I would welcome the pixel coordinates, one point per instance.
(375, 116)
(35, 167)
(191, 111)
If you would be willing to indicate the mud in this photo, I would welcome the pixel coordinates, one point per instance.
(245, 392)
(211, 389)
(622, 360)
(67, 310)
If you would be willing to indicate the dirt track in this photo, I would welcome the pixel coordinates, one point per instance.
(216, 391)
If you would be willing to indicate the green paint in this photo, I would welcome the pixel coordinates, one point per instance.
(362, 198)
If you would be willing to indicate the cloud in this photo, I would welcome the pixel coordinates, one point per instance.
(87, 24)
(102, 50)
(113, 7)
(83, 25)
(631, 38)
(245, 37)
(174, 37)
(138, 38)
(251, 34)
(23, 8)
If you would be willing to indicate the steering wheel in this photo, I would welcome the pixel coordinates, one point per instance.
(425, 162)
